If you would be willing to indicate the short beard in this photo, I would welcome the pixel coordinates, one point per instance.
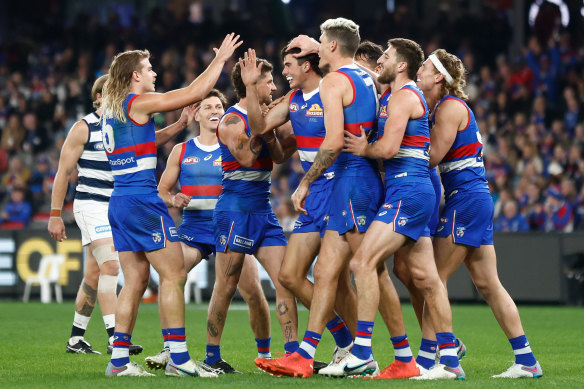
(386, 77)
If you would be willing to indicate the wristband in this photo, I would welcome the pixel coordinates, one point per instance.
(55, 212)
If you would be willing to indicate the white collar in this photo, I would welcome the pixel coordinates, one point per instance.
(207, 148)
(309, 95)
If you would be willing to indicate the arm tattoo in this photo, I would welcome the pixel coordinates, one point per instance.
(255, 144)
(232, 119)
(323, 160)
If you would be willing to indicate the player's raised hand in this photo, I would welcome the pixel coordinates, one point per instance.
(306, 44)
(227, 48)
(180, 200)
(251, 71)
(355, 144)
(188, 113)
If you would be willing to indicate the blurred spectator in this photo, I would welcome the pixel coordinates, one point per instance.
(17, 210)
(37, 138)
(13, 135)
(511, 220)
(559, 214)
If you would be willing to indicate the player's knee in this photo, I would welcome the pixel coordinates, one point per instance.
(107, 283)
(104, 254)
(402, 273)
(92, 278)
(110, 268)
(288, 280)
(322, 274)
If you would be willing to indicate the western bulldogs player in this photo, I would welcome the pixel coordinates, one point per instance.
(143, 231)
(465, 231)
(196, 164)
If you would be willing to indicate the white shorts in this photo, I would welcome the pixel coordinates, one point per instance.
(91, 217)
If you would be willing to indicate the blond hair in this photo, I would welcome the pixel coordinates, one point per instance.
(345, 32)
(117, 86)
(97, 89)
(455, 68)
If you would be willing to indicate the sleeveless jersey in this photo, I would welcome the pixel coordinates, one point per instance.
(131, 151)
(361, 112)
(382, 117)
(412, 161)
(462, 167)
(95, 175)
(200, 178)
(307, 118)
(245, 189)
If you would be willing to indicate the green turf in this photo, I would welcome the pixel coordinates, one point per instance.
(34, 336)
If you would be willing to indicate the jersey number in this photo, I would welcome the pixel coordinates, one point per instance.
(108, 138)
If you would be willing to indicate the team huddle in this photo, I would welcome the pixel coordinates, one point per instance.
(371, 127)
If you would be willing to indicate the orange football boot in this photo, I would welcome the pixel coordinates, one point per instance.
(399, 369)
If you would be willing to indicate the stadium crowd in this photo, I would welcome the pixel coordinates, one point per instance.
(529, 106)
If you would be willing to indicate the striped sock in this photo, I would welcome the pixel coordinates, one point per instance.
(290, 347)
(362, 347)
(166, 346)
(213, 354)
(340, 332)
(177, 343)
(264, 347)
(309, 344)
(447, 346)
(110, 324)
(401, 348)
(121, 350)
(427, 353)
(80, 324)
(522, 350)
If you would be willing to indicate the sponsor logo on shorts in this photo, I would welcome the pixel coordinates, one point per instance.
(208, 157)
(443, 220)
(440, 228)
(387, 206)
(460, 231)
(173, 232)
(104, 228)
(222, 240)
(361, 220)
(190, 160)
(186, 237)
(402, 221)
(157, 237)
(326, 218)
(293, 107)
(243, 242)
(382, 213)
(344, 213)
(297, 224)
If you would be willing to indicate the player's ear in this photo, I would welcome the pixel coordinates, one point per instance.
(402, 66)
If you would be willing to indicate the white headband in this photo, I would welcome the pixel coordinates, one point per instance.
(438, 65)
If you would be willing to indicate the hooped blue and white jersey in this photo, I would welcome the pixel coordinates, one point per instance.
(361, 112)
(307, 118)
(412, 161)
(200, 177)
(245, 189)
(95, 181)
(462, 167)
(131, 151)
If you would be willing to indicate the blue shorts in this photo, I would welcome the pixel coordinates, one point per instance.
(354, 201)
(200, 235)
(317, 206)
(433, 224)
(409, 206)
(140, 223)
(246, 232)
(468, 218)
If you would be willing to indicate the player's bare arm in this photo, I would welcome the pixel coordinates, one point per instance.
(402, 106)
(149, 103)
(70, 154)
(186, 118)
(168, 181)
(335, 92)
(450, 117)
(306, 44)
(281, 143)
(232, 133)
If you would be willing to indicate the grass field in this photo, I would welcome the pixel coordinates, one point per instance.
(34, 336)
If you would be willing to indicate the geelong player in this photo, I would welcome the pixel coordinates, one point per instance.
(143, 231)
(402, 221)
(196, 164)
(465, 231)
(303, 107)
(83, 148)
(243, 218)
(349, 102)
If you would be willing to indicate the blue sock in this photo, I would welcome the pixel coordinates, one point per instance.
(166, 346)
(401, 348)
(121, 349)
(309, 344)
(213, 354)
(263, 346)
(522, 350)
(362, 347)
(447, 346)
(177, 343)
(427, 354)
(340, 332)
(290, 347)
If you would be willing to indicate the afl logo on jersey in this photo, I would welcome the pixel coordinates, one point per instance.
(191, 160)
(315, 111)
(293, 107)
